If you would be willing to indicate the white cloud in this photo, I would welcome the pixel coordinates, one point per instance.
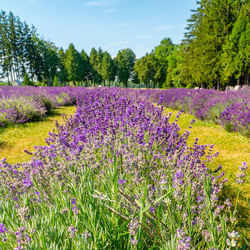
(107, 4)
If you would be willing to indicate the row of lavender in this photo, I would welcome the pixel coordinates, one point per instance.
(23, 104)
(230, 109)
(117, 175)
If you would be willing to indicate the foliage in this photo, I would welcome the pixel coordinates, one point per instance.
(20, 110)
(150, 71)
(209, 47)
(55, 82)
(236, 57)
(24, 104)
(220, 107)
(26, 80)
(213, 54)
(107, 68)
(125, 61)
(72, 64)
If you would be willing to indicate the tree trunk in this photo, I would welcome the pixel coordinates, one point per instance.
(238, 81)
(247, 77)
(218, 86)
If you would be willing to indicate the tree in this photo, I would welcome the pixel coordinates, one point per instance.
(125, 61)
(14, 46)
(108, 68)
(55, 82)
(163, 50)
(135, 78)
(72, 64)
(94, 62)
(86, 67)
(51, 61)
(162, 54)
(62, 74)
(208, 30)
(173, 70)
(26, 80)
(236, 53)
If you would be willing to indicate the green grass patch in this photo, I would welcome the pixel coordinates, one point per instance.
(233, 149)
(17, 137)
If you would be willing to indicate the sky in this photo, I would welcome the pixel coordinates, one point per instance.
(110, 24)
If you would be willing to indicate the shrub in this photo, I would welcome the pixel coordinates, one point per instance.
(20, 110)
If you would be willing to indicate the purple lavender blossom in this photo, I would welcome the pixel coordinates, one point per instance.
(121, 181)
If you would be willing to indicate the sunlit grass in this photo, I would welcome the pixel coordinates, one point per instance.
(233, 148)
(15, 138)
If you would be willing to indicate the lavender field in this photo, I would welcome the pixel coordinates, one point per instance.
(118, 174)
(230, 109)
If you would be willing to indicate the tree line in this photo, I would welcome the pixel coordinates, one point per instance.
(24, 55)
(214, 53)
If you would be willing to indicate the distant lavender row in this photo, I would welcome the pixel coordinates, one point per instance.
(117, 175)
(230, 109)
(57, 95)
(23, 104)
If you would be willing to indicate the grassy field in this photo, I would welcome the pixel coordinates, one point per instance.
(14, 139)
(233, 148)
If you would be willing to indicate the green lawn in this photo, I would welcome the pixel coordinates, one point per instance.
(15, 138)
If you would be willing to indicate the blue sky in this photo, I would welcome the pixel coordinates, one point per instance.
(110, 24)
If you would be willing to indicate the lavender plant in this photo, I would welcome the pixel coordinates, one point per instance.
(117, 175)
(230, 109)
(24, 104)
(20, 110)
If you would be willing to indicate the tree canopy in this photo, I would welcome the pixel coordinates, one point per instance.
(214, 53)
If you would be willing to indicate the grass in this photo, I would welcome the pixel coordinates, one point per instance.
(88, 209)
(233, 149)
(15, 138)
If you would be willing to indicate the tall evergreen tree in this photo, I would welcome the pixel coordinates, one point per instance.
(94, 62)
(108, 68)
(236, 51)
(72, 64)
(125, 61)
(62, 74)
(85, 67)
(209, 29)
